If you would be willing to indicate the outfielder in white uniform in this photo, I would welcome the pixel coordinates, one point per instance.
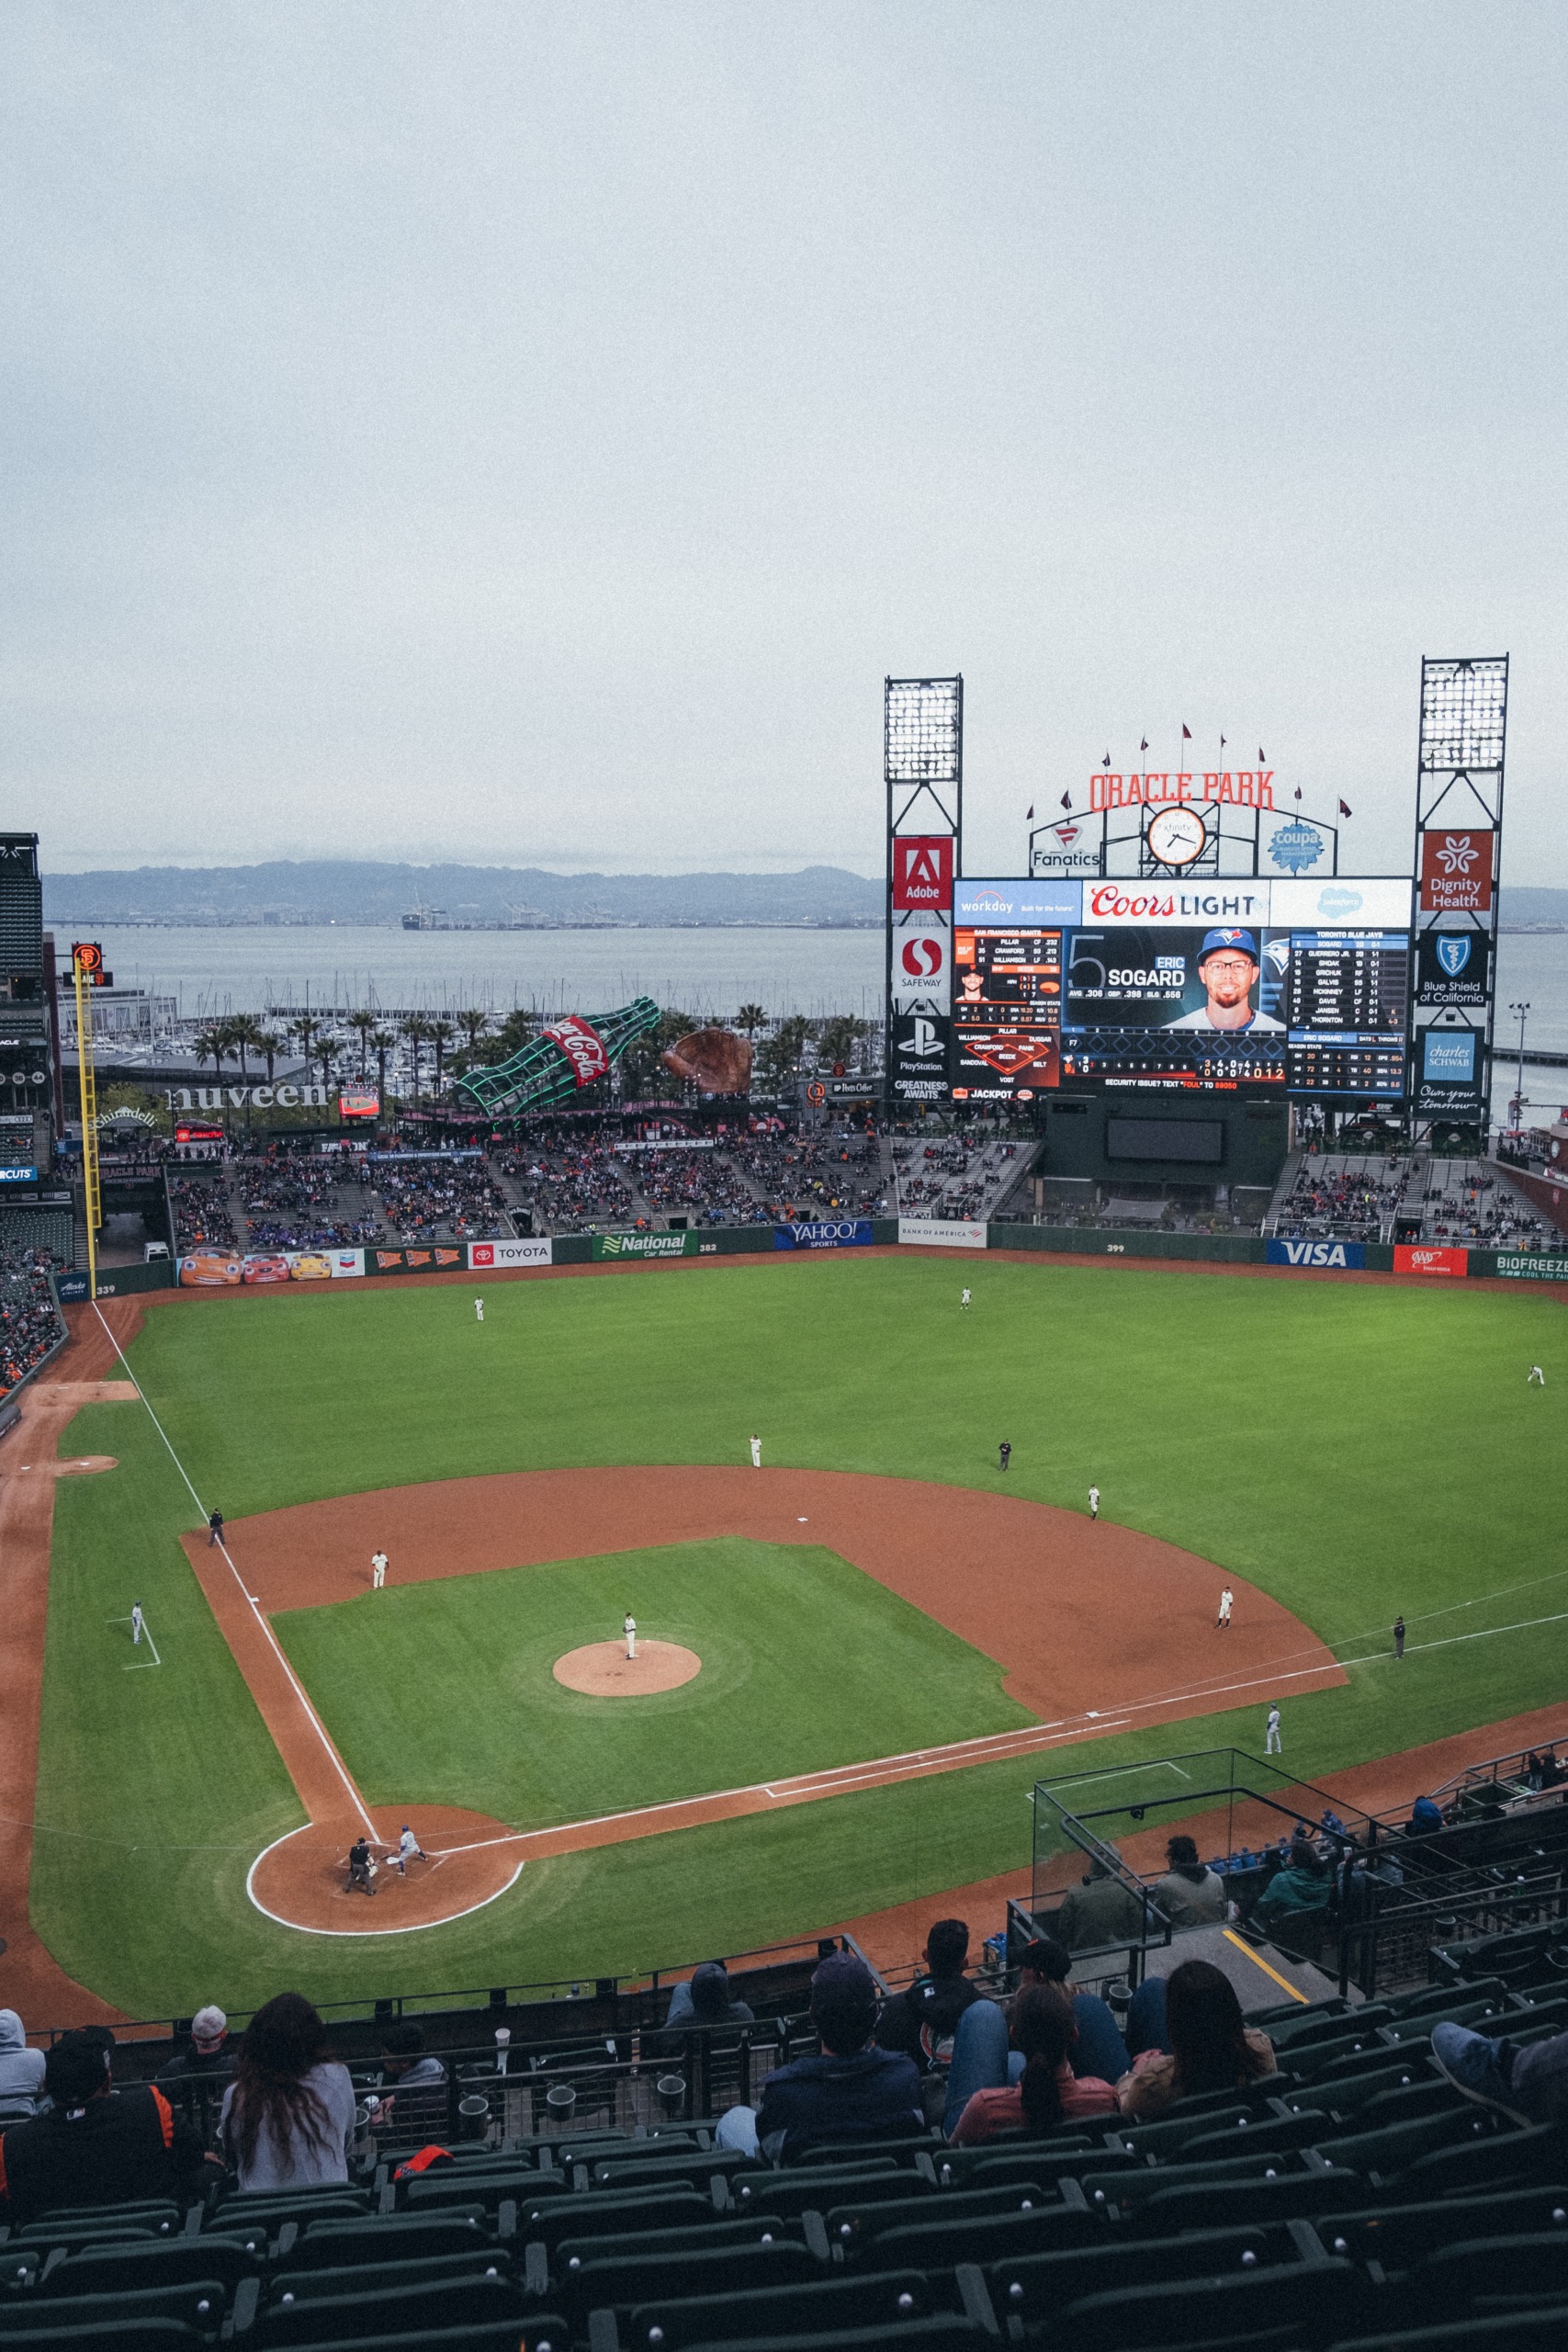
(1535, 1373)
(1273, 1744)
(964, 1300)
(756, 1454)
(136, 1624)
(629, 1629)
(1094, 1502)
(377, 1570)
(479, 1310)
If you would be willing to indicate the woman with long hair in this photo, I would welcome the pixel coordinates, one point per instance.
(287, 2116)
(1047, 2095)
(1210, 2048)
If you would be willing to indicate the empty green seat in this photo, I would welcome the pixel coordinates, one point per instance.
(133, 2269)
(863, 2221)
(892, 2299)
(1176, 2205)
(572, 2216)
(618, 2281)
(818, 2186)
(1312, 2299)
(1036, 2288)
(199, 2304)
(396, 2237)
(993, 2238)
(1399, 2235)
(373, 2309)
(699, 2237)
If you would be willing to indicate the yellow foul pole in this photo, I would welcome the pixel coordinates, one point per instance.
(89, 1092)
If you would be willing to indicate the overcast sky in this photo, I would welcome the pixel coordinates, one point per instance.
(530, 433)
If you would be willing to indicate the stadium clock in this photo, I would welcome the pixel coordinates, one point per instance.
(1175, 836)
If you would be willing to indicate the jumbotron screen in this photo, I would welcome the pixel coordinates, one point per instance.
(1302, 987)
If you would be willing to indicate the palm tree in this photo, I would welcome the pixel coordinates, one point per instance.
(441, 1034)
(211, 1044)
(302, 1029)
(751, 1017)
(327, 1054)
(266, 1042)
(380, 1042)
(362, 1025)
(473, 1024)
(414, 1032)
(246, 1035)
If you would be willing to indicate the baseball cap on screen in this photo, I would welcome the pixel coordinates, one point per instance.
(1240, 941)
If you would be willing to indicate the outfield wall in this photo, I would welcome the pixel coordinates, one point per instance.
(1438, 1263)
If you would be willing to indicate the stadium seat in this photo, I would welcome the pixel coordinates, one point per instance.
(432, 2191)
(1399, 2235)
(863, 2221)
(1034, 2289)
(132, 2269)
(941, 2331)
(1492, 2273)
(618, 2281)
(1172, 2132)
(1347, 2094)
(1175, 2204)
(1490, 2162)
(709, 2237)
(1044, 2159)
(792, 2191)
(199, 2304)
(557, 2218)
(1254, 2136)
(890, 2298)
(245, 2216)
(1048, 2229)
(374, 2310)
(117, 2334)
(393, 2237)
(1516, 2332)
(483, 2261)
(696, 2167)
(1385, 2154)
(160, 2214)
(1309, 2300)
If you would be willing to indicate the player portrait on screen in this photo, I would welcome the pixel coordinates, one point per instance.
(1228, 967)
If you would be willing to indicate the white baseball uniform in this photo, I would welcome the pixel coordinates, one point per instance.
(377, 1570)
(1226, 1598)
(136, 1623)
(479, 1310)
(1272, 1743)
(756, 1454)
(629, 1629)
(1094, 1502)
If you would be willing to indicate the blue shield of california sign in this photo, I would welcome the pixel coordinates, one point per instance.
(1453, 953)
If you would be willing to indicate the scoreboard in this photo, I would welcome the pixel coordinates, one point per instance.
(1289, 988)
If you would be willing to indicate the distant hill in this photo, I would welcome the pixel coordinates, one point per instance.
(1517, 904)
(348, 892)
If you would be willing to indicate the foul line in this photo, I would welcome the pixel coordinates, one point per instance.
(310, 1712)
(142, 1665)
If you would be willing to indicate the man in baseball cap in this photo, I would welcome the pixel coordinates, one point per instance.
(1227, 966)
(208, 2052)
(852, 2090)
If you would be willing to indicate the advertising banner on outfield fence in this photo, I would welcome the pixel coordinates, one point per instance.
(645, 1245)
(1420, 1258)
(824, 1233)
(1519, 1265)
(501, 1254)
(1316, 1253)
(446, 1260)
(938, 1233)
(346, 1264)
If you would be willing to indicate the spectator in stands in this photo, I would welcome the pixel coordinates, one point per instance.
(1045, 2093)
(923, 2022)
(1531, 2084)
(418, 2099)
(1100, 1910)
(208, 2052)
(707, 2001)
(95, 2145)
(1099, 2049)
(1425, 1816)
(1190, 1894)
(1292, 1903)
(287, 2116)
(853, 2090)
(21, 2070)
(1210, 2048)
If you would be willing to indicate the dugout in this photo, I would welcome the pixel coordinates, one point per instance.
(1190, 1139)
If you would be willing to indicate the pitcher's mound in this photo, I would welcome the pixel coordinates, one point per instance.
(605, 1670)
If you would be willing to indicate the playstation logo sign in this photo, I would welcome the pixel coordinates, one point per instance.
(918, 1059)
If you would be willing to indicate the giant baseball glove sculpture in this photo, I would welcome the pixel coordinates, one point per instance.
(716, 1060)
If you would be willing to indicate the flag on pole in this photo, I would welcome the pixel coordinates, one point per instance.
(1067, 800)
(1186, 732)
(1222, 742)
(1030, 818)
(1106, 760)
(1345, 808)
(1144, 744)
(1262, 757)
(1298, 792)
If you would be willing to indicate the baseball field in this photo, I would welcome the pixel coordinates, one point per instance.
(1338, 1451)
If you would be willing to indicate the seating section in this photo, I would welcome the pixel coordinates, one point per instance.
(1353, 2200)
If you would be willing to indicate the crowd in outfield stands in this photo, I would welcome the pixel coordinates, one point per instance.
(1352, 1205)
(440, 1199)
(1471, 1207)
(202, 1216)
(30, 1322)
(566, 1181)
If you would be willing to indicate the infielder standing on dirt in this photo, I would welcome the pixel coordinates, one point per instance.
(1227, 1598)
(629, 1629)
(377, 1570)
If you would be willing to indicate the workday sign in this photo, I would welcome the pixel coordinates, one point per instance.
(1305, 1255)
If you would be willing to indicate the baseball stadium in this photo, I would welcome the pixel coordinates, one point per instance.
(882, 1689)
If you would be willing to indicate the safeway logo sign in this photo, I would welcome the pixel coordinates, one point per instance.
(921, 964)
(922, 872)
(922, 958)
(1456, 872)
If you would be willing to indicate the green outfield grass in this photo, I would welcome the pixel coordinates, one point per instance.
(807, 1662)
(1354, 1449)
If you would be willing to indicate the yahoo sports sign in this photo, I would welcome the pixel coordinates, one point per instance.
(824, 1233)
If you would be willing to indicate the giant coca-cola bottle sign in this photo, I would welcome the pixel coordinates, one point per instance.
(582, 1046)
